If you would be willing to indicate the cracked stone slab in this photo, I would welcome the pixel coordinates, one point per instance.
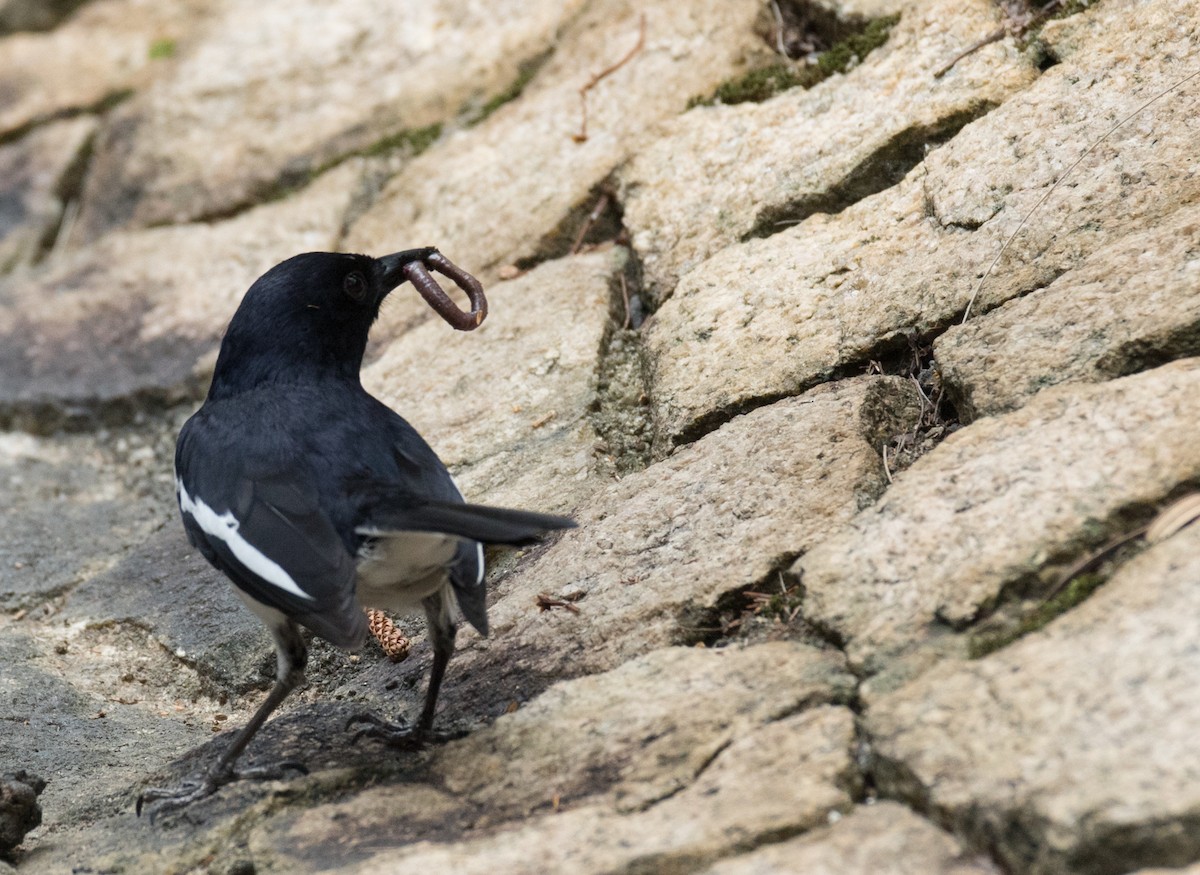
(277, 89)
(655, 551)
(136, 318)
(508, 407)
(720, 174)
(995, 508)
(101, 52)
(1073, 750)
(33, 174)
(669, 759)
(709, 724)
(88, 740)
(189, 608)
(510, 188)
(880, 839)
(1128, 306)
(73, 506)
(770, 317)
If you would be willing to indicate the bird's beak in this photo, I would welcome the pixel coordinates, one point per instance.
(394, 264)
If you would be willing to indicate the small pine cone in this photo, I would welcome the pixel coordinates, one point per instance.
(391, 639)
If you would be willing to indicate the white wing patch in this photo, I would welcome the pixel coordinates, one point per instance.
(225, 528)
(479, 577)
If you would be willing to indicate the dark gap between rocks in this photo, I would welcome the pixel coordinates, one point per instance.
(815, 43)
(620, 412)
(1017, 837)
(472, 115)
(400, 146)
(1145, 354)
(18, 16)
(67, 191)
(895, 782)
(769, 609)
(101, 106)
(596, 219)
(881, 170)
(1032, 601)
(905, 353)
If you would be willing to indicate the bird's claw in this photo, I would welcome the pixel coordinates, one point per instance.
(417, 272)
(400, 734)
(162, 800)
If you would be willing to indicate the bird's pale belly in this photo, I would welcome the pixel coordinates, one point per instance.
(397, 571)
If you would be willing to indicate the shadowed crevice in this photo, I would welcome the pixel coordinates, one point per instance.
(879, 171)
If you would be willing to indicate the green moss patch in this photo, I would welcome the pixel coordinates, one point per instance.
(765, 82)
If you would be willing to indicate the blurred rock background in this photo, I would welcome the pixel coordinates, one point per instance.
(830, 606)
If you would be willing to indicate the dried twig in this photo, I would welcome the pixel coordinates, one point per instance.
(1013, 26)
(1175, 517)
(592, 218)
(779, 46)
(546, 602)
(582, 136)
(390, 638)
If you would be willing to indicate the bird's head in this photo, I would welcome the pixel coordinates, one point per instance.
(307, 318)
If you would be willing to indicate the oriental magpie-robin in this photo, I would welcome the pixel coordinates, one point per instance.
(313, 497)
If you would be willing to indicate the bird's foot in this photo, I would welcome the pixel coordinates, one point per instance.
(400, 735)
(158, 801)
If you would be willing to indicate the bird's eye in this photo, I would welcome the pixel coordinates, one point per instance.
(355, 286)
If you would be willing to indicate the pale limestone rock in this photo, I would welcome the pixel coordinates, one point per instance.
(1074, 749)
(672, 759)
(137, 316)
(34, 171)
(101, 53)
(508, 406)
(994, 504)
(505, 190)
(720, 174)
(280, 88)
(880, 839)
(1128, 306)
(655, 551)
(643, 731)
(771, 317)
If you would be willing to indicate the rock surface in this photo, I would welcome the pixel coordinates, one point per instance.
(1065, 473)
(1126, 308)
(656, 553)
(515, 430)
(1079, 738)
(465, 194)
(135, 319)
(97, 57)
(834, 292)
(855, 587)
(887, 839)
(724, 173)
(38, 174)
(280, 89)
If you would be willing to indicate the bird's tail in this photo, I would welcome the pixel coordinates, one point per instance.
(475, 522)
(395, 515)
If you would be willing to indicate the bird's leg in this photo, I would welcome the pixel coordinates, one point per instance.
(292, 655)
(441, 633)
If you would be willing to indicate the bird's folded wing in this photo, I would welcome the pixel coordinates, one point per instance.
(266, 530)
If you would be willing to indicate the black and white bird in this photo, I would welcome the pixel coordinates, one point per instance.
(316, 499)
